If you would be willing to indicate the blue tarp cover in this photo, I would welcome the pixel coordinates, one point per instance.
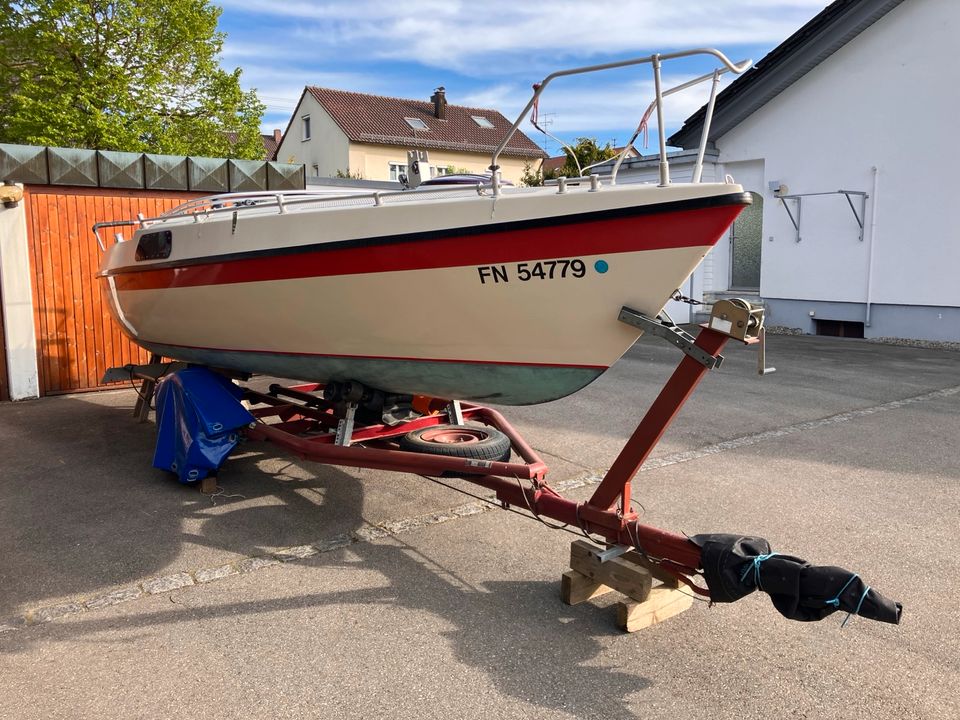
(197, 413)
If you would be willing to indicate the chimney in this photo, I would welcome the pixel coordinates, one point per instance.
(439, 100)
(277, 136)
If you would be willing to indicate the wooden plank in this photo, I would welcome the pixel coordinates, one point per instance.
(619, 573)
(576, 588)
(662, 603)
(88, 268)
(47, 344)
(76, 350)
(658, 572)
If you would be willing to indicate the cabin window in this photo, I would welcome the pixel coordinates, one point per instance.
(482, 121)
(305, 122)
(416, 123)
(154, 245)
(396, 169)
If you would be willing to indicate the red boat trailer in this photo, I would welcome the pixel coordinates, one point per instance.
(430, 437)
(305, 426)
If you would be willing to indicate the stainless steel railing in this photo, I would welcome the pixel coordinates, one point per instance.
(655, 61)
(201, 208)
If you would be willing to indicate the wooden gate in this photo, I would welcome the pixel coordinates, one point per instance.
(77, 340)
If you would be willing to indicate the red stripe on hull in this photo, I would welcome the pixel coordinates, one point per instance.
(685, 228)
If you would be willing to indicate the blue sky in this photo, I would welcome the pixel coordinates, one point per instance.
(487, 54)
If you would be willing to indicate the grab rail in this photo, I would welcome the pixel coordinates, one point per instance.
(655, 60)
(201, 208)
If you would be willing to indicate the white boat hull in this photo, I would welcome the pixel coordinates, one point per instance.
(513, 300)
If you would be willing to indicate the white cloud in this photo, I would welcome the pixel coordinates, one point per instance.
(595, 109)
(471, 37)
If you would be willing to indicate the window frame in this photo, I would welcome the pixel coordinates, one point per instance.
(305, 128)
(410, 121)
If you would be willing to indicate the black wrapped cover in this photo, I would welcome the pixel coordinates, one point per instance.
(735, 566)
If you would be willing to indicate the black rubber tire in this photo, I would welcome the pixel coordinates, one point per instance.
(488, 443)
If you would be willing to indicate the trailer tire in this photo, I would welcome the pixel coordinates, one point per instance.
(477, 442)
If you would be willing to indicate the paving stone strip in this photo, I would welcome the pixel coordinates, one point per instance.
(369, 533)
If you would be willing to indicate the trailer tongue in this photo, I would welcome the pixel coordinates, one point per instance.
(201, 419)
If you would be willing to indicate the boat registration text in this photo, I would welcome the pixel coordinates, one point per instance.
(527, 271)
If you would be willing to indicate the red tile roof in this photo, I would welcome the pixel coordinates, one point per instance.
(270, 145)
(380, 120)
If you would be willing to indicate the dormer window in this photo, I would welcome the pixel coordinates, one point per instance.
(416, 123)
(482, 121)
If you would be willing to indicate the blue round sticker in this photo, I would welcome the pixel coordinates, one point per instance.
(601, 266)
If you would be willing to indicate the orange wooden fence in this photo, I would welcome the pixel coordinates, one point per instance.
(77, 339)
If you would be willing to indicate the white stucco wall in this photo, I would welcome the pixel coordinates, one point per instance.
(327, 148)
(886, 99)
(16, 303)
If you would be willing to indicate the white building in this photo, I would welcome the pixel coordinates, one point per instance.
(861, 99)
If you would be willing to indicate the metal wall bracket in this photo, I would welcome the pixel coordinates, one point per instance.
(846, 193)
(672, 334)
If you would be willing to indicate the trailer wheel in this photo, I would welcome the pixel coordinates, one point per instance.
(477, 442)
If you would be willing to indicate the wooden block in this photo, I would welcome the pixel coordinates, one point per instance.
(658, 572)
(663, 602)
(208, 485)
(619, 573)
(576, 588)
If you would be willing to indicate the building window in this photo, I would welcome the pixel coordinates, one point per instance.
(305, 120)
(416, 123)
(482, 121)
(396, 169)
(437, 171)
(316, 170)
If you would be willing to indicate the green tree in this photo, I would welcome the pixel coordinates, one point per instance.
(588, 152)
(531, 178)
(137, 75)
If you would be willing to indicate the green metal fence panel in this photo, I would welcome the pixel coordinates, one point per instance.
(72, 166)
(120, 169)
(247, 175)
(165, 172)
(37, 165)
(283, 176)
(23, 164)
(207, 174)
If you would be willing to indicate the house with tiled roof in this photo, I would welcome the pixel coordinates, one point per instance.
(336, 132)
(270, 144)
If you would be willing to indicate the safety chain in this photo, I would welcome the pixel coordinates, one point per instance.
(679, 297)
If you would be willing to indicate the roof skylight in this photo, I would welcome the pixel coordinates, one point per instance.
(482, 121)
(416, 123)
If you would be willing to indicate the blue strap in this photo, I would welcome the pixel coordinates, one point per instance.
(857, 611)
(755, 566)
(835, 601)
